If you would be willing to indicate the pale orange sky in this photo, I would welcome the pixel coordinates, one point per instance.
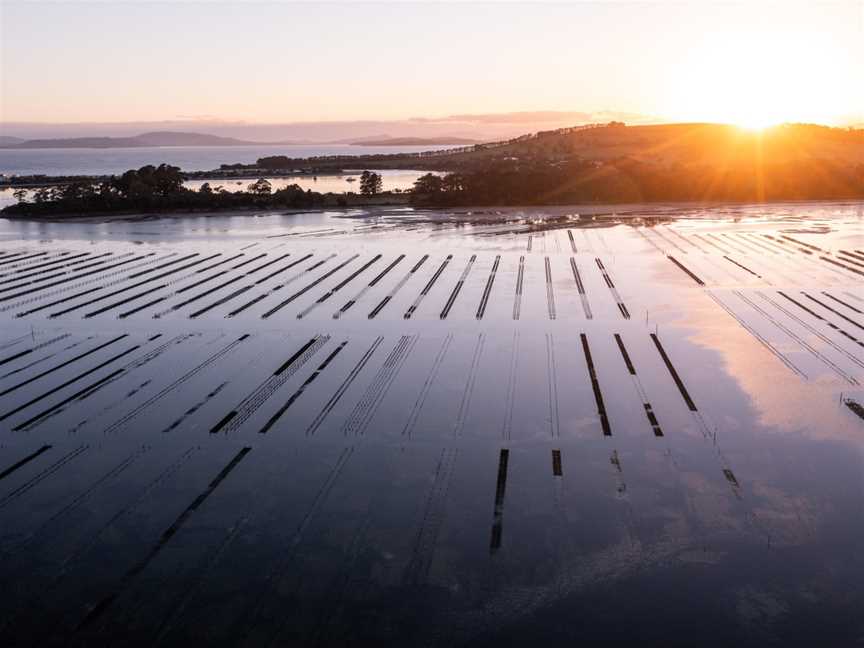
(749, 62)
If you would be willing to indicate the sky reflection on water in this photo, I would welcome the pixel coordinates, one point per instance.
(441, 479)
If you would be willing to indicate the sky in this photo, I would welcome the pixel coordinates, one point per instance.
(749, 62)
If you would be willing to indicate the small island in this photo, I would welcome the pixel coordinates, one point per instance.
(160, 189)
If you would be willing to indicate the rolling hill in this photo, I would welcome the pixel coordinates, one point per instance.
(701, 144)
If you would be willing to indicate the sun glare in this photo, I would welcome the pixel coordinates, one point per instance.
(757, 79)
(755, 122)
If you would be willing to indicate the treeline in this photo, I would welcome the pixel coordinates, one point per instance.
(626, 180)
(153, 188)
(40, 179)
(330, 163)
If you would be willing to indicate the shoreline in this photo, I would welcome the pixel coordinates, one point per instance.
(593, 210)
(352, 201)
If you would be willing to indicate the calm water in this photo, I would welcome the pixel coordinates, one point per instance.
(425, 428)
(192, 158)
(391, 179)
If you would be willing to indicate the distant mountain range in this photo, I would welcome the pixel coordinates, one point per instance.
(485, 127)
(176, 138)
(158, 138)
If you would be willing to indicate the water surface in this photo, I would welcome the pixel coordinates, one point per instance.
(226, 428)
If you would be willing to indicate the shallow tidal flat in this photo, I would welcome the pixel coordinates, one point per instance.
(433, 428)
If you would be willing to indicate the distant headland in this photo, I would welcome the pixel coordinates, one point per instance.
(178, 138)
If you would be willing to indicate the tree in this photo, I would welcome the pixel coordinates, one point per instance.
(452, 182)
(20, 194)
(370, 183)
(76, 191)
(290, 196)
(428, 184)
(45, 195)
(168, 179)
(149, 181)
(205, 189)
(260, 187)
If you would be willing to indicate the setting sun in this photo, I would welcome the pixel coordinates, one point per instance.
(755, 122)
